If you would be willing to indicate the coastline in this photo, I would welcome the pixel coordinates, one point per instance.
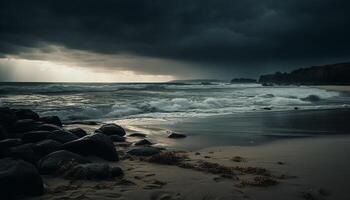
(303, 167)
(337, 88)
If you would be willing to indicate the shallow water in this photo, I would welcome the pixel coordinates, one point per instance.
(243, 129)
(161, 100)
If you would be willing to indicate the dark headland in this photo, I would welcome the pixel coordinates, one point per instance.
(333, 74)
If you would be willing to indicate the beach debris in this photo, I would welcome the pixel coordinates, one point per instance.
(281, 163)
(143, 142)
(168, 158)
(207, 157)
(90, 171)
(144, 151)
(176, 135)
(111, 129)
(197, 153)
(259, 181)
(19, 177)
(142, 135)
(252, 170)
(97, 144)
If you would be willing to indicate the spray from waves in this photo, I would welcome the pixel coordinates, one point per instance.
(182, 107)
(41, 88)
(101, 101)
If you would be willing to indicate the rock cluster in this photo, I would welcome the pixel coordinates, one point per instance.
(32, 146)
(336, 74)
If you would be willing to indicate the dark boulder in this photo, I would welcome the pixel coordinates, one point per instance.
(78, 132)
(176, 135)
(19, 178)
(7, 116)
(7, 144)
(23, 126)
(35, 136)
(62, 136)
(111, 129)
(54, 161)
(143, 142)
(312, 98)
(92, 171)
(117, 138)
(25, 152)
(48, 127)
(26, 114)
(51, 120)
(142, 135)
(96, 144)
(47, 146)
(3, 133)
(144, 151)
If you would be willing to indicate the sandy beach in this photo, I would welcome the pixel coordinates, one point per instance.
(303, 169)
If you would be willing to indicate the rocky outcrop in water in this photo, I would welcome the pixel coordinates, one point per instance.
(336, 74)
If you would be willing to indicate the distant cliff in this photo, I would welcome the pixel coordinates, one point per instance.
(243, 80)
(336, 74)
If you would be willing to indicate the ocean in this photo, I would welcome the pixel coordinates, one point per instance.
(106, 101)
(210, 113)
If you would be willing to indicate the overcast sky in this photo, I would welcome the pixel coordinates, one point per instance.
(160, 40)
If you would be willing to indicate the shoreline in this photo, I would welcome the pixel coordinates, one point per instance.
(303, 169)
(337, 88)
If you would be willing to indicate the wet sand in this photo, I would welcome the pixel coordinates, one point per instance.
(305, 152)
(305, 168)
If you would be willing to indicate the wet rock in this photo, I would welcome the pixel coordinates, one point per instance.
(26, 114)
(117, 138)
(143, 142)
(111, 129)
(312, 98)
(144, 151)
(176, 135)
(47, 146)
(7, 116)
(53, 161)
(7, 144)
(97, 144)
(22, 126)
(48, 127)
(3, 133)
(142, 135)
(78, 132)
(25, 152)
(19, 178)
(92, 171)
(35, 136)
(62, 136)
(51, 120)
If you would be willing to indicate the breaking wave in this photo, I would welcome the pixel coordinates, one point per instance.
(97, 101)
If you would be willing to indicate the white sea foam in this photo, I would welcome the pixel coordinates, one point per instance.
(95, 101)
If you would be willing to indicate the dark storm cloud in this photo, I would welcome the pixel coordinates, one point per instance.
(216, 34)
